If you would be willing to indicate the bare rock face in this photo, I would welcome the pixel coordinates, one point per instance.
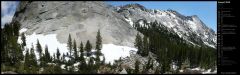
(81, 19)
(129, 62)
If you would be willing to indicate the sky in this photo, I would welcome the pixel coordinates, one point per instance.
(8, 9)
(205, 10)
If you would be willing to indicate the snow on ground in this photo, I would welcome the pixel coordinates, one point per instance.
(111, 52)
(173, 15)
(209, 71)
(201, 70)
(180, 70)
(159, 14)
(174, 66)
(162, 13)
(205, 71)
(177, 22)
(215, 39)
(192, 25)
(51, 63)
(179, 34)
(206, 43)
(129, 20)
(114, 52)
(164, 23)
(63, 66)
(170, 25)
(205, 36)
(22, 30)
(50, 40)
(141, 23)
(75, 66)
(197, 68)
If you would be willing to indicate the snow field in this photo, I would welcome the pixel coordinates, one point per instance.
(111, 52)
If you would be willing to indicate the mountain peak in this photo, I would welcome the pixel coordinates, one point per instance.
(134, 5)
(195, 16)
(170, 10)
(183, 25)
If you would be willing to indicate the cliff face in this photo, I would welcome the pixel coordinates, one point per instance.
(81, 19)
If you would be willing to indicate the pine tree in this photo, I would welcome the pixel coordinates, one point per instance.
(91, 66)
(27, 59)
(75, 50)
(148, 66)
(81, 47)
(33, 59)
(145, 46)
(82, 67)
(136, 71)
(54, 57)
(3, 50)
(39, 48)
(157, 70)
(138, 43)
(71, 69)
(23, 38)
(16, 28)
(103, 61)
(47, 55)
(63, 58)
(14, 50)
(57, 69)
(58, 55)
(69, 44)
(11, 51)
(88, 48)
(98, 46)
(81, 51)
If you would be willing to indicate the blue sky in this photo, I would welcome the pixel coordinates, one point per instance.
(205, 10)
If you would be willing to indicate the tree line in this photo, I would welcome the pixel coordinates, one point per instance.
(170, 48)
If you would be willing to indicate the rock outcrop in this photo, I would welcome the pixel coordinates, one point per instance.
(81, 19)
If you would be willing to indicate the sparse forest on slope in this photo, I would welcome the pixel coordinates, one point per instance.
(170, 48)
